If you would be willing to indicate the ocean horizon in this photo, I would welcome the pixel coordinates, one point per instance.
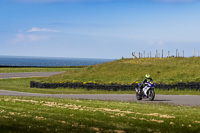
(49, 61)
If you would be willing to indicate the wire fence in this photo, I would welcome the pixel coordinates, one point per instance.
(158, 54)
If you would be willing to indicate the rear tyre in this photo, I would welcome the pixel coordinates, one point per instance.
(138, 96)
(151, 95)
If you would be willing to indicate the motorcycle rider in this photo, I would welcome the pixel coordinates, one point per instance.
(146, 80)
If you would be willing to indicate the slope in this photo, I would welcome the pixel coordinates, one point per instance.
(127, 71)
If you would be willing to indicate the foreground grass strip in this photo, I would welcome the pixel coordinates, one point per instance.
(30, 114)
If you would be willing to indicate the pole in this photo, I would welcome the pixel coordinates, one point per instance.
(139, 55)
(162, 53)
(150, 54)
(193, 52)
(144, 54)
(157, 53)
(132, 55)
(183, 53)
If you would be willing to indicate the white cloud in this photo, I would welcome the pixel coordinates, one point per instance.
(29, 38)
(19, 38)
(37, 38)
(34, 29)
(155, 43)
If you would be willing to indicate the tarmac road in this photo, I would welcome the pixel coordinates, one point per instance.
(27, 74)
(188, 100)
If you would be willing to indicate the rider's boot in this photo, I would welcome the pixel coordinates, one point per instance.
(140, 90)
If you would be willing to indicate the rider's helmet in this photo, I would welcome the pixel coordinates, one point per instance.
(147, 76)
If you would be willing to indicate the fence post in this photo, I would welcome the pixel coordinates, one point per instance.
(132, 55)
(157, 53)
(193, 52)
(150, 54)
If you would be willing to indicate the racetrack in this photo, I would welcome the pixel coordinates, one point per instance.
(188, 100)
(27, 74)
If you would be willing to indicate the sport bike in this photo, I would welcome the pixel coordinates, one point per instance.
(147, 91)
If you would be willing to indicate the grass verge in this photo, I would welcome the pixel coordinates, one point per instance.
(23, 85)
(31, 114)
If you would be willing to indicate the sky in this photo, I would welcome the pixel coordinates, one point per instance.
(98, 28)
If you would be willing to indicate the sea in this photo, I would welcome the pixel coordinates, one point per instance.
(48, 61)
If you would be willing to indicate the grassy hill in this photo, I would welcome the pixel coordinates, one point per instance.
(162, 70)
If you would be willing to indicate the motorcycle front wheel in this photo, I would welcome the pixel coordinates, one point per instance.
(138, 96)
(151, 95)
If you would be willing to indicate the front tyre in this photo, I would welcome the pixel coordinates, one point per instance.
(138, 96)
(151, 95)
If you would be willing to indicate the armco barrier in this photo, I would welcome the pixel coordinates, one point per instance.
(114, 87)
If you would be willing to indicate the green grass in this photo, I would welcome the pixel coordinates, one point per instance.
(33, 69)
(166, 70)
(23, 85)
(31, 114)
(121, 71)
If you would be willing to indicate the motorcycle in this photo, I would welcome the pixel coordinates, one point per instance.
(147, 91)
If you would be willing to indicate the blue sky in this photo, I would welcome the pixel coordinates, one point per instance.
(98, 28)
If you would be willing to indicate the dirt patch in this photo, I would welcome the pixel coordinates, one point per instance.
(196, 121)
(95, 129)
(160, 115)
(158, 121)
(40, 118)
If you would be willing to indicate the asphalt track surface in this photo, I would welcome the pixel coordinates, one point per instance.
(188, 100)
(27, 74)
